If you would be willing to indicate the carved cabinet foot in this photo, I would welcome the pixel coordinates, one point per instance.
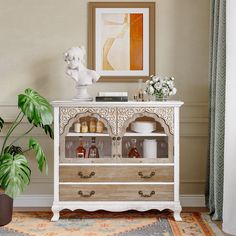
(177, 216)
(56, 214)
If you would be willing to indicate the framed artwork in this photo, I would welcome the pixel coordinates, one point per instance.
(121, 40)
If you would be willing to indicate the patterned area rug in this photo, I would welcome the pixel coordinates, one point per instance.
(103, 223)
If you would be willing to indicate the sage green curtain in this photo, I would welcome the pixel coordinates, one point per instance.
(217, 80)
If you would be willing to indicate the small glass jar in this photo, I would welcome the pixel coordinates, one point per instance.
(84, 127)
(77, 127)
(92, 125)
(99, 127)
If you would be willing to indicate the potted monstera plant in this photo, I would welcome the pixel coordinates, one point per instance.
(15, 170)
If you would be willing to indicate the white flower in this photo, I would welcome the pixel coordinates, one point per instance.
(158, 85)
(147, 82)
(155, 78)
(165, 91)
(165, 79)
(170, 84)
(150, 90)
(174, 90)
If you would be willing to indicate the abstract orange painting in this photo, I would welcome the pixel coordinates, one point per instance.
(122, 40)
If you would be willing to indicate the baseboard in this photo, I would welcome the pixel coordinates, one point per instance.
(186, 200)
(229, 229)
(190, 200)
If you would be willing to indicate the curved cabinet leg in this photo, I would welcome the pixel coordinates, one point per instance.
(56, 213)
(177, 216)
(177, 211)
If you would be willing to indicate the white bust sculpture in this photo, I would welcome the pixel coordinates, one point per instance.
(76, 69)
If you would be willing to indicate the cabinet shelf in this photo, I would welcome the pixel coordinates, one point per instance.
(74, 134)
(127, 134)
(154, 134)
(121, 160)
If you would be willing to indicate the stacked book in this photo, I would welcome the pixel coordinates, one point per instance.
(112, 97)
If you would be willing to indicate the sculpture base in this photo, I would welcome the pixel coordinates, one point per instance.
(82, 94)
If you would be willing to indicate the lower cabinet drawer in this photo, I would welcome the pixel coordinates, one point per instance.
(116, 173)
(116, 192)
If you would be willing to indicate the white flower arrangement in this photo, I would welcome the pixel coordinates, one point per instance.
(160, 86)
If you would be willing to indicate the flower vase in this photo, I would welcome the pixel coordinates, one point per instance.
(160, 98)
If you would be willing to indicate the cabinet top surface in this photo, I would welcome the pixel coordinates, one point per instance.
(66, 103)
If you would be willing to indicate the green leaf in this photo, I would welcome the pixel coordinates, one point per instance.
(36, 108)
(1, 123)
(48, 130)
(14, 174)
(40, 156)
(13, 150)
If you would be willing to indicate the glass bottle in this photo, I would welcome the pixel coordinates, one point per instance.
(99, 127)
(93, 150)
(133, 153)
(84, 127)
(92, 125)
(80, 150)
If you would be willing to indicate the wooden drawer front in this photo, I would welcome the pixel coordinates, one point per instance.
(116, 173)
(113, 192)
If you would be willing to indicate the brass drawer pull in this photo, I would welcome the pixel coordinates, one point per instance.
(146, 176)
(80, 174)
(146, 195)
(86, 195)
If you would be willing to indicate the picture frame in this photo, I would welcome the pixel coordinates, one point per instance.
(121, 40)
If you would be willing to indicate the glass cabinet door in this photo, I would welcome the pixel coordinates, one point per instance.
(147, 139)
(88, 139)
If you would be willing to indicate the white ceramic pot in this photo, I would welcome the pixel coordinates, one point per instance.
(143, 126)
(150, 148)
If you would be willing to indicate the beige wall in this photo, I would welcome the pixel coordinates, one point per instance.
(34, 35)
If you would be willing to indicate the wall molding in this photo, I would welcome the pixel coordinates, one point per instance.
(195, 104)
(194, 123)
(188, 104)
(36, 200)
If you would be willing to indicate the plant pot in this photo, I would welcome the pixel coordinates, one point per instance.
(6, 207)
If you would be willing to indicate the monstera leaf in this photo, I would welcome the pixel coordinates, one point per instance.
(14, 174)
(1, 123)
(40, 156)
(36, 108)
(48, 130)
(13, 150)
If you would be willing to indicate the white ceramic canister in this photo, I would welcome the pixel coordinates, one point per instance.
(150, 148)
(77, 127)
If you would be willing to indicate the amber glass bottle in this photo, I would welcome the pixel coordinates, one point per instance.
(93, 150)
(80, 150)
(133, 153)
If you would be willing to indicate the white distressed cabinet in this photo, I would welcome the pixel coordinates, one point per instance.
(113, 181)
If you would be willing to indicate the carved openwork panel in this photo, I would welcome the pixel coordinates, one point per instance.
(126, 113)
(107, 113)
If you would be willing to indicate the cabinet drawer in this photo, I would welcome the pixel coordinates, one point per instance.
(116, 192)
(116, 174)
